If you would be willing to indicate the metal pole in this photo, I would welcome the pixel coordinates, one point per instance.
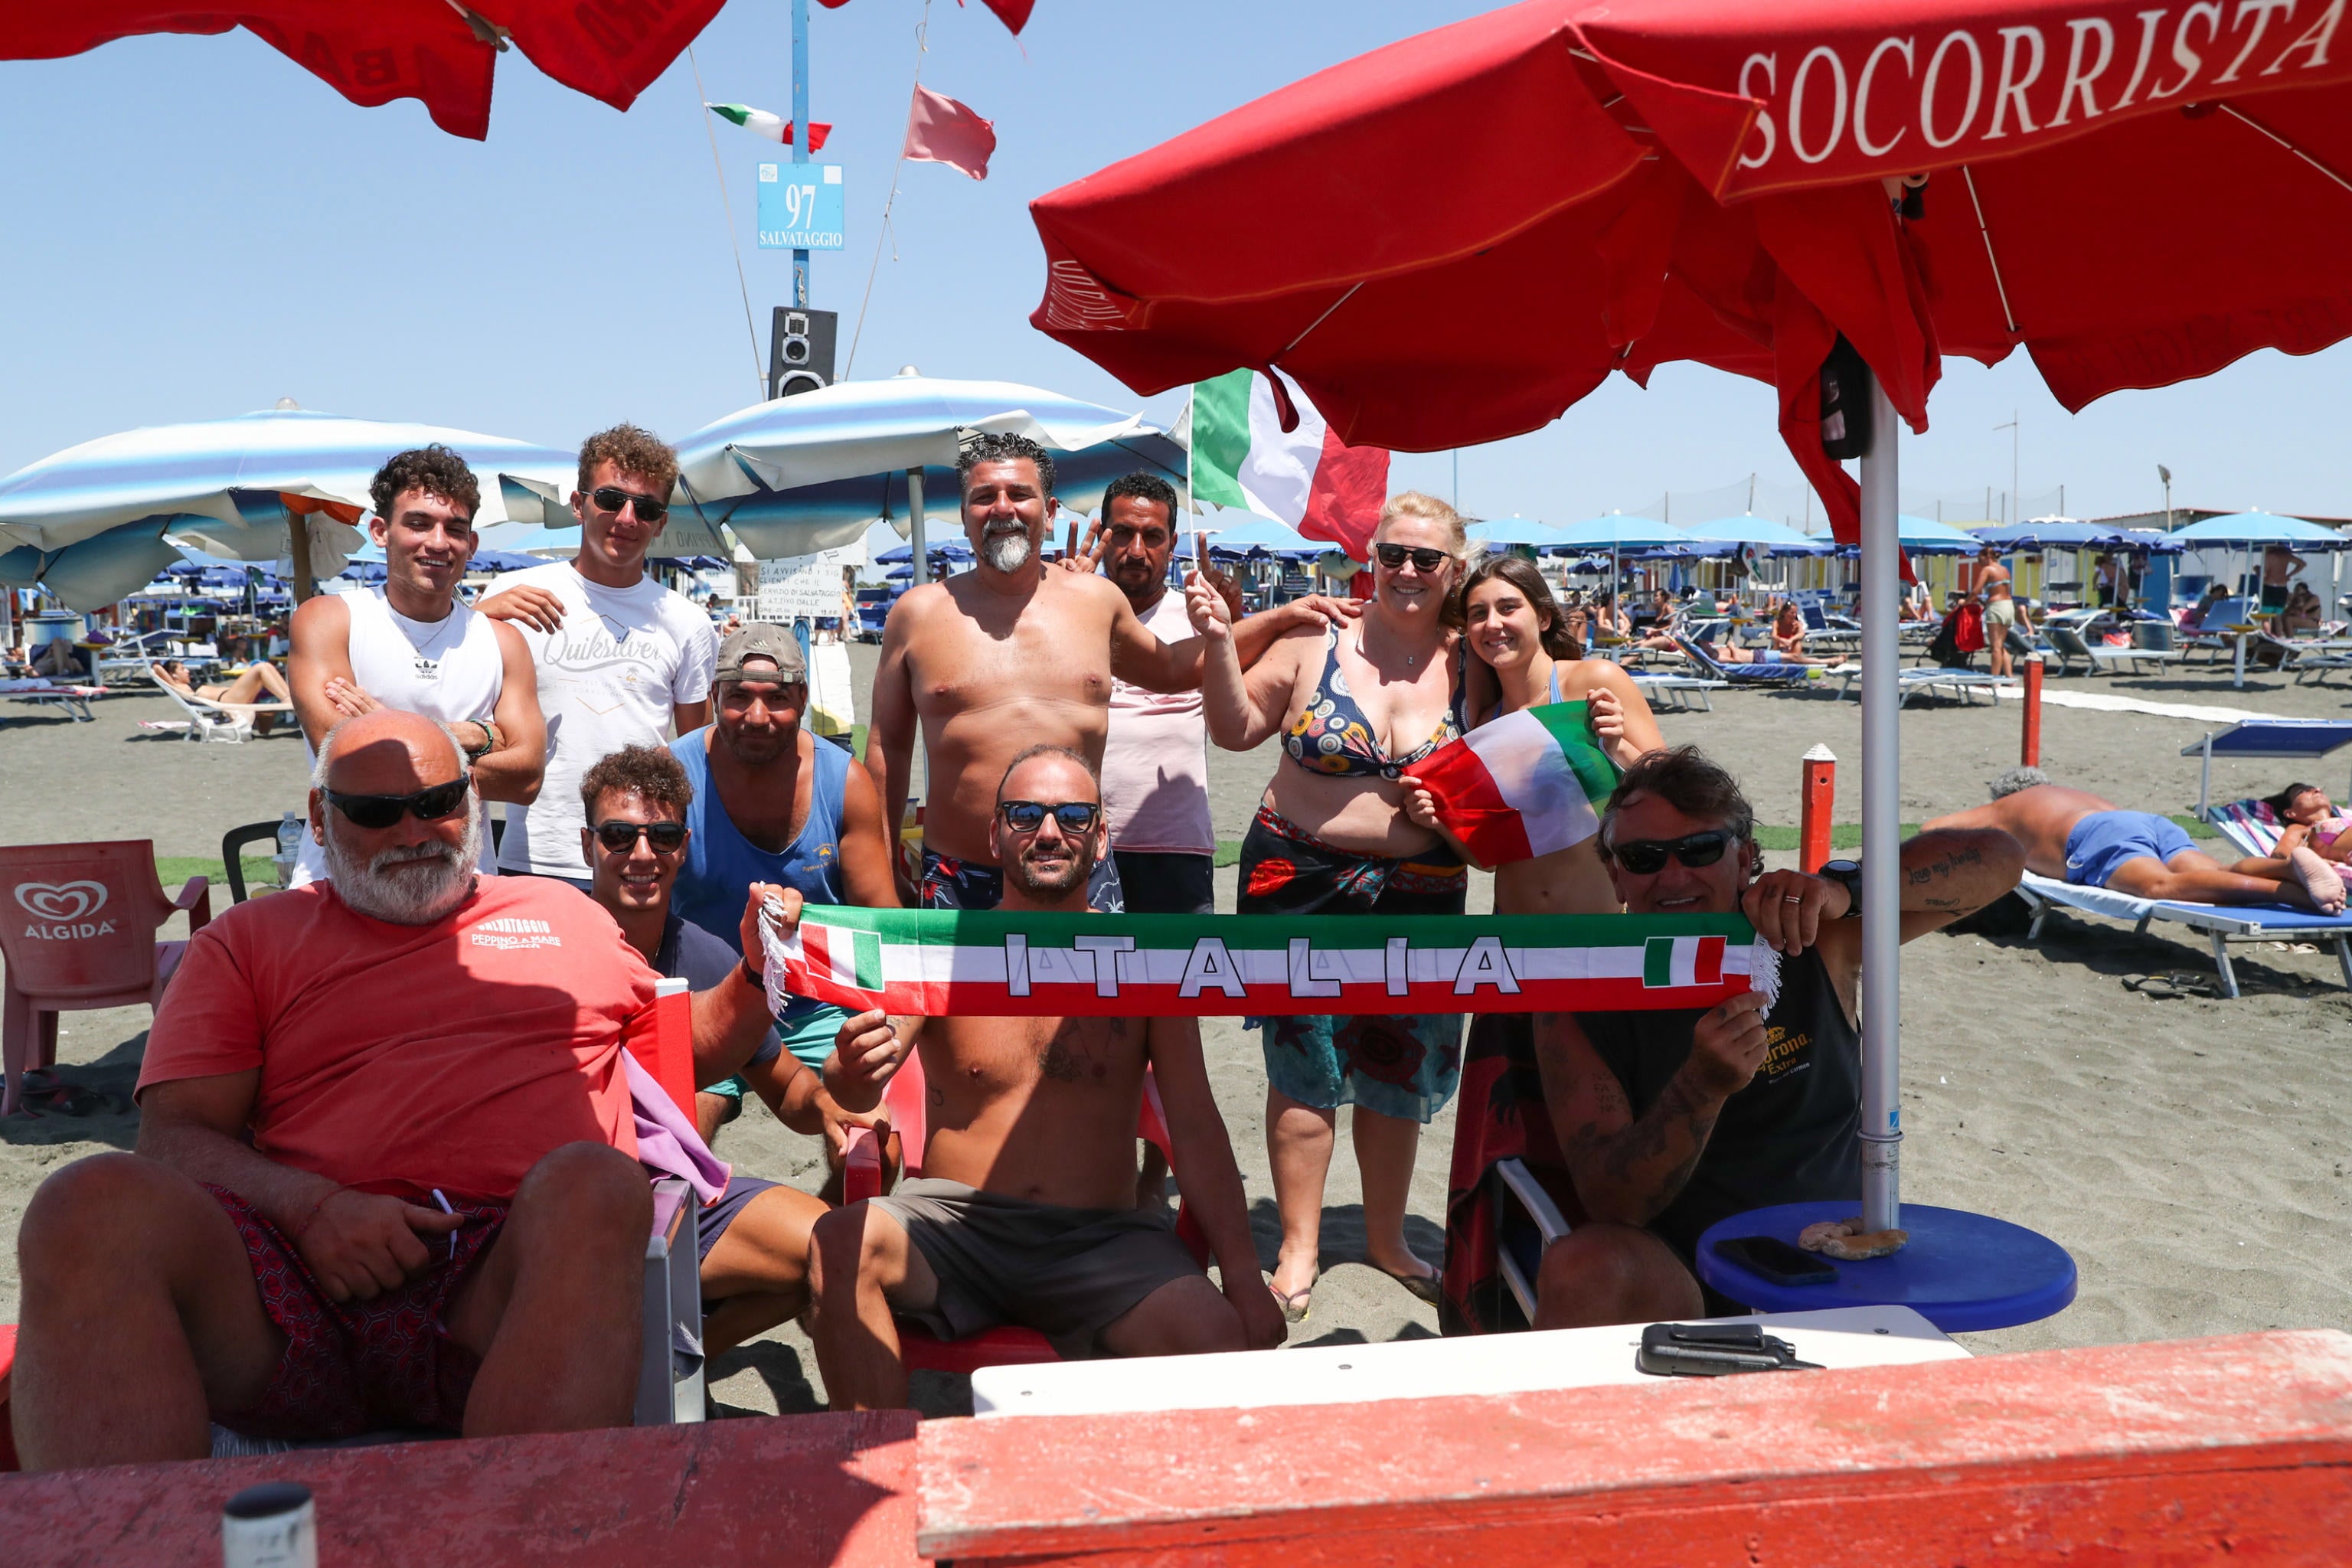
(922, 561)
(1881, 800)
(801, 140)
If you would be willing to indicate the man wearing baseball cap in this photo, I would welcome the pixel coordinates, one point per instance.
(773, 803)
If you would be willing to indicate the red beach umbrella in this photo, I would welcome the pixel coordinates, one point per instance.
(373, 52)
(1452, 239)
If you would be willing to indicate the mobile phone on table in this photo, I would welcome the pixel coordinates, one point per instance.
(1768, 1257)
(1714, 1349)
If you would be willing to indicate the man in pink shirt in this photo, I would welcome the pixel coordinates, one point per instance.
(386, 1172)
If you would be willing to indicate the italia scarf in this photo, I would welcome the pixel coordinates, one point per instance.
(942, 964)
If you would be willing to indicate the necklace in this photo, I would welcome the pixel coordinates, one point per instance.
(427, 668)
(1411, 660)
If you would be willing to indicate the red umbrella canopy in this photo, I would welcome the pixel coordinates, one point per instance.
(373, 52)
(1452, 239)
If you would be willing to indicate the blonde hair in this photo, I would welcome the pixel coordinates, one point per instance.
(1429, 509)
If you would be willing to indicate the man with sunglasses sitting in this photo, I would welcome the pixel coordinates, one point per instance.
(1026, 1212)
(1671, 1120)
(386, 1173)
(621, 660)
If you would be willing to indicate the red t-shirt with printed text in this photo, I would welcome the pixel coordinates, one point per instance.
(402, 1059)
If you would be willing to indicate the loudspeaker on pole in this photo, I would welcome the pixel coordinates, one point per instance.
(800, 350)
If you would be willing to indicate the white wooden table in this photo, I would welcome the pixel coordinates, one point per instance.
(1421, 1369)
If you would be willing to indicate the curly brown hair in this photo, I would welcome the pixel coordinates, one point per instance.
(650, 772)
(437, 470)
(636, 452)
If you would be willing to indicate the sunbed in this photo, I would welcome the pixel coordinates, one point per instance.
(2221, 923)
(1744, 674)
(1956, 683)
(2310, 739)
(39, 691)
(207, 720)
(2072, 646)
(1675, 692)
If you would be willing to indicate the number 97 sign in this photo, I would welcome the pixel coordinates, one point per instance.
(800, 206)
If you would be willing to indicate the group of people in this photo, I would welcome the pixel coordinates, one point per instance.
(394, 1153)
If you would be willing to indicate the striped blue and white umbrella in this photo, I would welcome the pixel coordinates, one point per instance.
(812, 473)
(98, 520)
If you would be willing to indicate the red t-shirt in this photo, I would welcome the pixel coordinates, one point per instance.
(401, 1059)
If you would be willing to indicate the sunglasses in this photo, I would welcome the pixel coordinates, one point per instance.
(612, 497)
(1647, 857)
(1076, 816)
(376, 812)
(1424, 560)
(621, 838)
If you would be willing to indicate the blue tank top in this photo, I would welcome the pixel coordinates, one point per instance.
(721, 864)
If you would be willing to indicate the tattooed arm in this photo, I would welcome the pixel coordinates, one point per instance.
(1627, 1168)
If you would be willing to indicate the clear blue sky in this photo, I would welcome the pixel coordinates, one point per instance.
(197, 227)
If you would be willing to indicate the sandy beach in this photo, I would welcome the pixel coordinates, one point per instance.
(2191, 1153)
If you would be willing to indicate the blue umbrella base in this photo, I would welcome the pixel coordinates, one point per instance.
(1962, 1272)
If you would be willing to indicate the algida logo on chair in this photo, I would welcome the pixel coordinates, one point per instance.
(62, 910)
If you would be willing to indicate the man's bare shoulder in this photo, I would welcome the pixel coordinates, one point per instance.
(322, 616)
(918, 604)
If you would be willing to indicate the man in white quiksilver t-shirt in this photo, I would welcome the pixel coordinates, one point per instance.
(621, 660)
(412, 645)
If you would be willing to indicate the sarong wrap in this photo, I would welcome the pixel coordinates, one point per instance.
(940, 964)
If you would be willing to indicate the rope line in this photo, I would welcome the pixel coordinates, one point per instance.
(702, 107)
(883, 231)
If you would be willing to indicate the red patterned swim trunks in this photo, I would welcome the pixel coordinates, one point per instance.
(359, 1366)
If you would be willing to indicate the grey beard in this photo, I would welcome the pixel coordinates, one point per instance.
(1007, 552)
(402, 887)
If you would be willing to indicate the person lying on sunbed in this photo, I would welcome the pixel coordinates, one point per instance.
(1025, 1211)
(387, 1172)
(258, 682)
(2309, 820)
(1729, 653)
(2076, 836)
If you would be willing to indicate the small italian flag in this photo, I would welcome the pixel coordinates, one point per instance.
(1306, 478)
(1528, 784)
(1677, 961)
(774, 126)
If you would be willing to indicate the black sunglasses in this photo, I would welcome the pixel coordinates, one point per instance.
(376, 812)
(612, 497)
(1424, 560)
(1076, 816)
(1647, 857)
(621, 838)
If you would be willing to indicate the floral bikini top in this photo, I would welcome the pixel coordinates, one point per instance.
(1332, 737)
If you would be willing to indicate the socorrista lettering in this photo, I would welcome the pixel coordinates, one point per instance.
(1908, 99)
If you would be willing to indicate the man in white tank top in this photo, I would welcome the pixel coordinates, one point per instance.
(411, 646)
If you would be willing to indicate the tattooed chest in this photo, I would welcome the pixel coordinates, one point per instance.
(1077, 1050)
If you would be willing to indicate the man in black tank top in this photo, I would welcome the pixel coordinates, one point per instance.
(1671, 1120)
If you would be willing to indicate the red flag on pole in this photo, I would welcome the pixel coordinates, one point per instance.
(941, 131)
(1014, 13)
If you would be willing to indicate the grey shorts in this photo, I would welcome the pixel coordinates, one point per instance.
(1066, 1273)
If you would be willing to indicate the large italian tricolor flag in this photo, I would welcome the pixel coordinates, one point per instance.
(1524, 785)
(938, 963)
(1306, 478)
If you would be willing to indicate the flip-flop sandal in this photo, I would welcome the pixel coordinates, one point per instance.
(1295, 1304)
(1426, 1288)
(65, 1099)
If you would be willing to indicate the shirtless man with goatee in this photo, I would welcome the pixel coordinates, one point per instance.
(1009, 655)
(1026, 1212)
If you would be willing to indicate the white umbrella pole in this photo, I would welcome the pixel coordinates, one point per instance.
(922, 561)
(1882, 803)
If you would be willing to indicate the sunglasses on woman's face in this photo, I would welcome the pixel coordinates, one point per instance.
(621, 838)
(1647, 857)
(1076, 816)
(377, 812)
(612, 497)
(1424, 559)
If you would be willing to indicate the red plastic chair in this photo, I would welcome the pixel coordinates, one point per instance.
(862, 1170)
(79, 932)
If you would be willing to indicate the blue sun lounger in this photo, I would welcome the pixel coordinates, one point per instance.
(1745, 674)
(2219, 923)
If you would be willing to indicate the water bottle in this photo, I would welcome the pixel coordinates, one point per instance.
(273, 1525)
(290, 849)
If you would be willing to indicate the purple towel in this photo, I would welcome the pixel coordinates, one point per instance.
(668, 1143)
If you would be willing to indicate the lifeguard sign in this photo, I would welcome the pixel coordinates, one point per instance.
(800, 206)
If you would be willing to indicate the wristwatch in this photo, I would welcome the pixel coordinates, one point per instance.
(1846, 874)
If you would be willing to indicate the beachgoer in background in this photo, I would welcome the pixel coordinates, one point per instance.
(1355, 709)
(753, 1238)
(409, 644)
(1789, 630)
(255, 684)
(387, 1169)
(2193, 618)
(2302, 613)
(2108, 578)
(2002, 608)
(768, 801)
(1026, 1212)
(2075, 835)
(1003, 656)
(1676, 1119)
(2279, 567)
(620, 659)
(59, 659)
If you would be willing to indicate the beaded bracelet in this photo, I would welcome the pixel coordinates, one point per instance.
(304, 1223)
